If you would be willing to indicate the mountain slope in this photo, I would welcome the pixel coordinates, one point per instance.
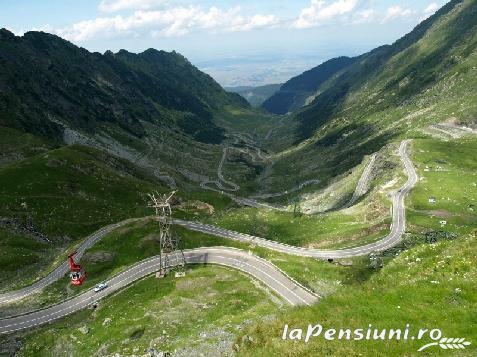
(255, 95)
(46, 80)
(154, 109)
(294, 93)
(427, 77)
(389, 76)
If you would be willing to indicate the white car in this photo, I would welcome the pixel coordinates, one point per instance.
(99, 287)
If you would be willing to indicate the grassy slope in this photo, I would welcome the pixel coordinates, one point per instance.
(15, 145)
(63, 194)
(403, 291)
(429, 81)
(367, 221)
(355, 295)
(137, 241)
(200, 311)
(450, 177)
(317, 230)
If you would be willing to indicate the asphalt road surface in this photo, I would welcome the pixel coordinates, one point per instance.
(277, 281)
(397, 228)
(267, 273)
(62, 269)
(362, 186)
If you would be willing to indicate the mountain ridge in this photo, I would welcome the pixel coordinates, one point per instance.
(47, 76)
(329, 101)
(294, 92)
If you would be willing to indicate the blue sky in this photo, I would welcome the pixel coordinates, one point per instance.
(239, 42)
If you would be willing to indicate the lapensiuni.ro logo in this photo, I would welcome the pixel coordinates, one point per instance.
(372, 333)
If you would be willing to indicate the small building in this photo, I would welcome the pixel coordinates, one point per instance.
(432, 199)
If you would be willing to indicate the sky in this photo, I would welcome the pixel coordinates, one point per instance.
(237, 42)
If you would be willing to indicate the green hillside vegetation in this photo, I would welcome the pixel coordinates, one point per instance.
(448, 172)
(428, 284)
(425, 283)
(426, 77)
(85, 136)
(293, 94)
(201, 311)
(124, 88)
(402, 292)
(16, 145)
(53, 199)
(334, 230)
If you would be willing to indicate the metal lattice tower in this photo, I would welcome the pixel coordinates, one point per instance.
(170, 254)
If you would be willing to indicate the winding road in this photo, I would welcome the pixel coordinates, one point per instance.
(267, 273)
(397, 228)
(252, 201)
(361, 187)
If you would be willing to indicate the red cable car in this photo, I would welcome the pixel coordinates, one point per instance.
(77, 273)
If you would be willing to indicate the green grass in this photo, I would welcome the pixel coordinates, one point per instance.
(66, 194)
(198, 311)
(321, 231)
(427, 285)
(82, 188)
(448, 172)
(16, 145)
(402, 292)
(354, 295)
(18, 250)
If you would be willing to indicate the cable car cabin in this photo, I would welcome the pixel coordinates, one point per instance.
(77, 273)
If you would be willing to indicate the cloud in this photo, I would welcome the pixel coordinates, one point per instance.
(364, 16)
(394, 12)
(430, 10)
(158, 18)
(321, 11)
(119, 5)
(176, 21)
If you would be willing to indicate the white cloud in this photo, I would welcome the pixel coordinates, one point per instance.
(365, 16)
(395, 12)
(321, 11)
(176, 21)
(159, 18)
(118, 5)
(432, 8)
(429, 10)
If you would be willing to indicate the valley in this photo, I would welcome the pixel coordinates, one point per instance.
(346, 198)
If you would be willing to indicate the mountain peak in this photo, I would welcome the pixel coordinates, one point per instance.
(45, 76)
(6, 33)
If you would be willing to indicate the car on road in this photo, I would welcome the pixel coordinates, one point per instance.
(99, 287)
